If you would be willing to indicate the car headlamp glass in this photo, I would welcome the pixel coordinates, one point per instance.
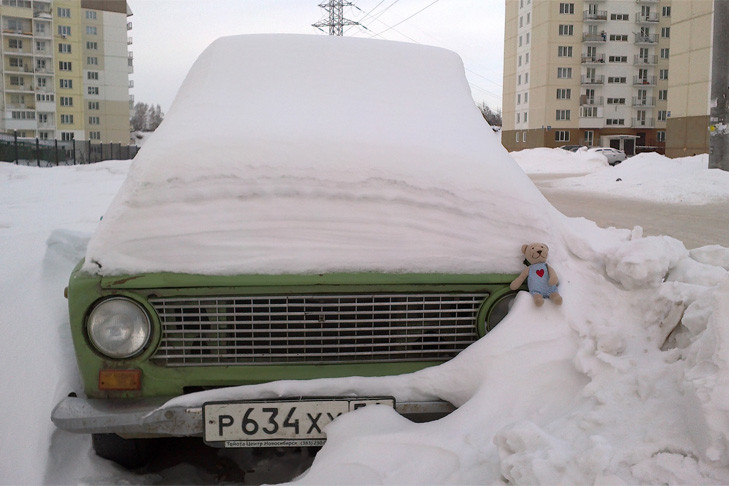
(119, 327)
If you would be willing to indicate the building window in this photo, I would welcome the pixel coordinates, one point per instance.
(95, 135)
(526, 78)
(619, 17)
(528, 36)
(15, 43)
(526, 58)
(660, 136)
(92, 45)
(617, 80)
(666, 11)
(566, 29)
(64, 65)
(92, 60)
(66, 119)
(589, 137)
(64, 12)
(93, 105)
(520, 39)
(45, 97)
(562, 114)
(92, 75)
(564, 51)
(665, 53)
(589, 112)
(518, 117)
(529, 17)
(64, 48)
(519, 62)
(66, 101)
(94, 120)
(564, 93)
(663, 74)
(617, 58)
(17, 81)
(64, 30)
(561, 136)
(564, 72)
(90, 30)
(93, 90)
(16, 62)
(665, 32)
(616, 101)
(42, 82)
(662, 115)
(517, 136)
(66, 83)
(518, 99)
(91, 15)
(567, 8)
(619, 37)
(615, 121)
(523, 136)
(525, 116)
(663, 95)
(526, 97)
(67, 136)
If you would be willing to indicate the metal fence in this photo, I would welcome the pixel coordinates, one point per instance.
(48, 153)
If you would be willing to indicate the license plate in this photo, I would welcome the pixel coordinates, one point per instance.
(277, 423)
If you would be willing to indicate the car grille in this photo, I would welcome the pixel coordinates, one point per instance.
(310, 329)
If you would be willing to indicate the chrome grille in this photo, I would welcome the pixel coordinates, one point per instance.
(311, 329)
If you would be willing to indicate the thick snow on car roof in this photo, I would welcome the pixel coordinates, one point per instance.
(301, 154)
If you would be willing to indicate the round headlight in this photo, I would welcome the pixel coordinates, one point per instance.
(119, 327)
(499, 310)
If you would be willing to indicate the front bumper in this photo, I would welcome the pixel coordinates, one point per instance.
(151, 418)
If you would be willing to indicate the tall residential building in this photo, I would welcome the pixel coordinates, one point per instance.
(593, 72)
(66, 67)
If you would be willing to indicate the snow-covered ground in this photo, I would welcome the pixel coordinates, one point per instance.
(589, 392)
(626, 382)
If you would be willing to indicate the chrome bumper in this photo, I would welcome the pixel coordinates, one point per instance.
(151, 418)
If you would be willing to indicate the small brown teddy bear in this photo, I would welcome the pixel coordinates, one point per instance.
(541, 278)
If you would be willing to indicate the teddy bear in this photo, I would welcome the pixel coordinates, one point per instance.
(541, 278)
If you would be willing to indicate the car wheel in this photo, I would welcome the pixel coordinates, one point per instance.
(129, 453)
(499, 310)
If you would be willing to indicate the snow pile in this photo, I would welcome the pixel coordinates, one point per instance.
(647, 176)
(382, 149)
(559, 161)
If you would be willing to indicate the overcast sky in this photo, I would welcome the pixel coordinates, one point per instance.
(168, 35)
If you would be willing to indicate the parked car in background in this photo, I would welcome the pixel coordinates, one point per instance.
(614, 156)
(571, 148)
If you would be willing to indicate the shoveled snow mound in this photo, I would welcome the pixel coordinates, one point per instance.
(299, 154)
(653, 177)
(559, 161)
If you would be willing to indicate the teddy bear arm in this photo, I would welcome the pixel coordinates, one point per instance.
(519, 280)
(553, 279)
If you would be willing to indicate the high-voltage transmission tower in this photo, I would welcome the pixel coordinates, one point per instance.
(336, 21)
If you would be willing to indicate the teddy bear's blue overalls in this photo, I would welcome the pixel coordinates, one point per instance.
(540, 284)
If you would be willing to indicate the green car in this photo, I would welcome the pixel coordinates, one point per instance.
(246, 253)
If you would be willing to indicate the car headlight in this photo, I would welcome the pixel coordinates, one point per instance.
(499, 310)
(118, 327)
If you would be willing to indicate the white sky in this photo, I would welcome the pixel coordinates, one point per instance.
(168, 35)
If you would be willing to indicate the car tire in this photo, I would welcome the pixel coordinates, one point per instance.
(128, 453)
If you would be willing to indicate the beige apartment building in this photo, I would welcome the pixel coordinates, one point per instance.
(66, 67)
(593, 72)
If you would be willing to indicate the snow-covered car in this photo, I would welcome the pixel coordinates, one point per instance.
(571, 148)
(614, 156)
(311, 207)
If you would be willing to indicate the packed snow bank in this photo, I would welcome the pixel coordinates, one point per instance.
(647, 176)
(382, 149)
(559, 161)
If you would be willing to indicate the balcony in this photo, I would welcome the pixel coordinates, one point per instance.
(647, 123)
(646, 19)
(591, 100)
(644, 80)
(599, 16)
(594, 38)
(42, 12)
(597, 59)
(644, 102)
(592, 80)
(647, 1)
(645, 38)
(645, 60)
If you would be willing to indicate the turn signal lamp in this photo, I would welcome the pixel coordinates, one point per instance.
(120, 380)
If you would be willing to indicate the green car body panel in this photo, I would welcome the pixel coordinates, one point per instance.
(85, 290)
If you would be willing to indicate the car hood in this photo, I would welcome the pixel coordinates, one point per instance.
(310, 154)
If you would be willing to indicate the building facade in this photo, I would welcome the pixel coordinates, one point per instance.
(66, 67)
(593, 72)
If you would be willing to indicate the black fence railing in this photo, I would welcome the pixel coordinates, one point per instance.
(48, 153)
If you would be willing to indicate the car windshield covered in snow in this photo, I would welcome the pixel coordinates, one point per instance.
(310, 207)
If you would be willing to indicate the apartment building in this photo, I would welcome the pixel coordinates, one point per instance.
(593, 72)
(66, 67)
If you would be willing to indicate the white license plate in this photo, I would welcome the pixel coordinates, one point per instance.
(277, 423)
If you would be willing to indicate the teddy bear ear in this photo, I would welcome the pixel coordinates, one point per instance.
(524, 248)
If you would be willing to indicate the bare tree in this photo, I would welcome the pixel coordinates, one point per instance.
(146, 117)
(492, 117)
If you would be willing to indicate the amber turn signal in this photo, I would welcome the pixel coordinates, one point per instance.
(120, 380)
